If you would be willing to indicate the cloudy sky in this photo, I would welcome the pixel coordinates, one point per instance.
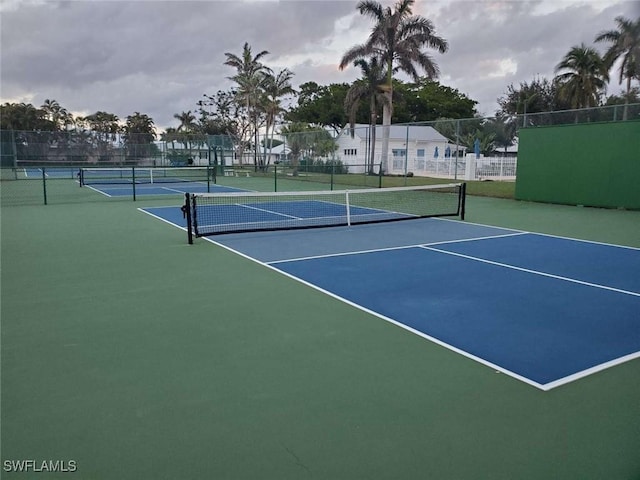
(160, 56)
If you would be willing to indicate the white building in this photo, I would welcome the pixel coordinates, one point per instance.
(418, 149)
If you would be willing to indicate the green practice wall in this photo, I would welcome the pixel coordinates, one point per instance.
(595, 164)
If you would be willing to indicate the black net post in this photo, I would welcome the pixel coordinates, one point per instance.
(44, 184)
(463, 197)
(186, 212)
(275, 177)
(133, 182)
(333, 167)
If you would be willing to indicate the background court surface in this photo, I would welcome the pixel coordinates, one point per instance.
(142, 357)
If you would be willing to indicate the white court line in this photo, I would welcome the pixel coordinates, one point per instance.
(578, 240)
(589, 371)
(142, 209)
(266, 211)
(97, 190)
(535, 272)
(385, 249)
(162, 188)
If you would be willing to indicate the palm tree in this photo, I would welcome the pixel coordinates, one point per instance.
(369, 87)
(625, 46)
(250, 77)
(276, 87)
(57, 114)
(187, 121)
(586, 78)
(187, 125)
(398, 39)
(139, 134)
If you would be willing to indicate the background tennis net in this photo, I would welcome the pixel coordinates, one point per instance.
(211, 214)
(142, 175)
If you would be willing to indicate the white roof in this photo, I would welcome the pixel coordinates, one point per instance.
(419, 133)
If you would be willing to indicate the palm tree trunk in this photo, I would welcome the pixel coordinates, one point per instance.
(626, 100)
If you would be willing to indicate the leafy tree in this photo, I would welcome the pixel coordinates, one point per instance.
(24, 116)
(321, 105)
(428, 100)
(304, 139)
(624, 46)
(633, 96)
(503, 130)
(541, 95)
(230, 118)
(586, 79)
(485, 137)
(398, 39)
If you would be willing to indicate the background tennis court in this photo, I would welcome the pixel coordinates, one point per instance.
(140, 356)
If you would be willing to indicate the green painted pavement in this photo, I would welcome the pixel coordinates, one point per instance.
(139, 356)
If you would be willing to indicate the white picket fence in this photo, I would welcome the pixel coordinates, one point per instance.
(467, 168)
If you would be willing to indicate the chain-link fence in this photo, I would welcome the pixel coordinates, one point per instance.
(24, 149)
(292, 157)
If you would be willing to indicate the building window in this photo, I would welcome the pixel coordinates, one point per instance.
(350, 151)
(420, 152)
(398, 158)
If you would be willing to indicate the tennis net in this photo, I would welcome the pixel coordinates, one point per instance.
(211, 214)
(143, 175)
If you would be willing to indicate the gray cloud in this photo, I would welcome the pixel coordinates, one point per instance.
(159, 57)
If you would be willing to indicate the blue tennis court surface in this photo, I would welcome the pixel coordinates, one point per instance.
(545, 310)
(126, 190)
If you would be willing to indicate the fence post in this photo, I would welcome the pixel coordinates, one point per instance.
(455, 174)
(133, 182)
(333, 167)
(406, 156)
(44, 185)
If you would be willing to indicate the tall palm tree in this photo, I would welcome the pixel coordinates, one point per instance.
(276, 87)
(57, 114)
(625, 46)
(187, 121)
(586, 78)
(250, 77)
(139, 134)
(398, 39)
(370, 87)
(187, 125)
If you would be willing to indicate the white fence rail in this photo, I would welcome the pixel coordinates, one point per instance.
(468, 168)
